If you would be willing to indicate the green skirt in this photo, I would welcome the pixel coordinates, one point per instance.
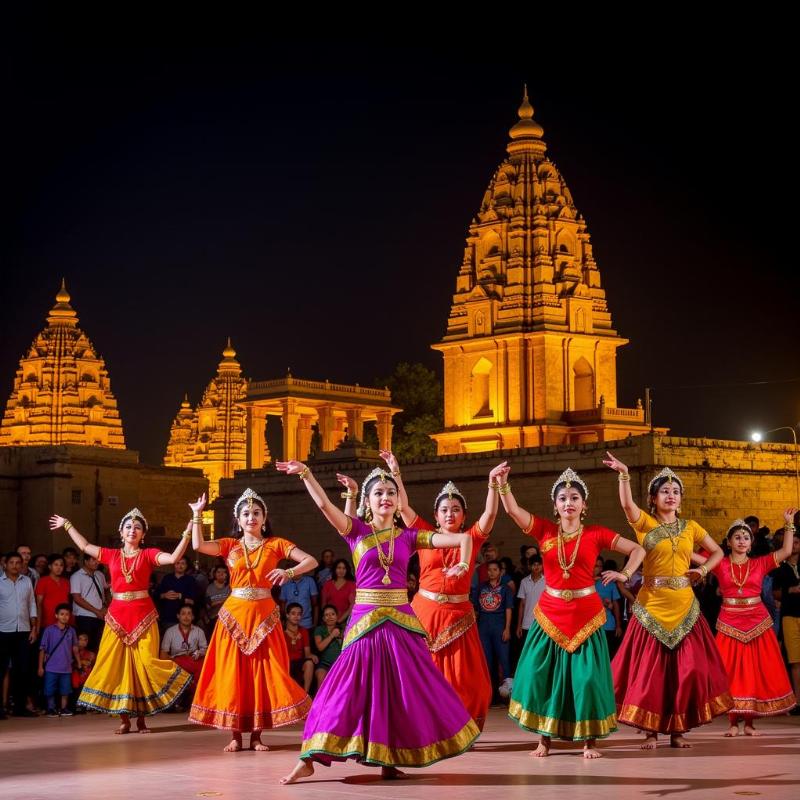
(564, 695)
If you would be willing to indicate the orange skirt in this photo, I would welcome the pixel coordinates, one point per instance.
(247, 692)
(456, 650)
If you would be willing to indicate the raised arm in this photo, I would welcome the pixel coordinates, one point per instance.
(460, 540)
(57, 522)
(486, 521)
(349, 495)
(406, 512)
(163, 558)
(199, 544)
(335, 516)
(632, 511)
(522, 517)
(788, 536)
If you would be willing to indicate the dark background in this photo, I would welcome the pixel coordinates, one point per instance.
(311, 198)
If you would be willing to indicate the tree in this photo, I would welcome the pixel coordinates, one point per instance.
(418, 391)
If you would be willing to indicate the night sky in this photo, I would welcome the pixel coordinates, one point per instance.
(311, 201)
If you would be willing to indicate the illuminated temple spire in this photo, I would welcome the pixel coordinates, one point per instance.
(530, 349)
(213, 437)
(62, 393)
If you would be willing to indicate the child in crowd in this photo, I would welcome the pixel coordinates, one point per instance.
(494, 601)
(328, 641)
(57, 651)
(86, 659)
(298, 642)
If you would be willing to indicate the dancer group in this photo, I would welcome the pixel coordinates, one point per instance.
(411, 686)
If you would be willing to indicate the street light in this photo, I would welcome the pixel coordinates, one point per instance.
(758, 436)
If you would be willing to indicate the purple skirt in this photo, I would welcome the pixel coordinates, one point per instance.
(384, 703)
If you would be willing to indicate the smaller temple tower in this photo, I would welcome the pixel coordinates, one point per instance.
(62, 392)
(213, 437)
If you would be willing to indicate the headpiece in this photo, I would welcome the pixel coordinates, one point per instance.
(249, 497)
(134, 513)
(739, 524)
(568, 477)
(449, 490)
(669, 475)
(383, 476)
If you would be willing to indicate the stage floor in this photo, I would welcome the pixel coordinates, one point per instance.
(79, 757)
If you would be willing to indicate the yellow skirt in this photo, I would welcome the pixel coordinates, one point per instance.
(132, 679)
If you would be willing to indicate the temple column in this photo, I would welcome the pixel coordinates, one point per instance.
(304, 436)
(326, 428)
(355, 423)
(257, 452)
(289, 417)
(385, 430)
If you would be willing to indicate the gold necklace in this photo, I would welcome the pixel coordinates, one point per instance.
(562, 558)
(245, 551)
(128, 571)
(385, 559)
(740, 581)
(673, 530)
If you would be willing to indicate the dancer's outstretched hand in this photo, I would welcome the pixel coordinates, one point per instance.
(199, 504)
(391, 460)
(500, 473)
(347, 482)
(614, 463)
(56, 522)
(290, 467)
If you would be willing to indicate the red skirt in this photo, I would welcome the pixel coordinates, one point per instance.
(759, 683)
(669, 691)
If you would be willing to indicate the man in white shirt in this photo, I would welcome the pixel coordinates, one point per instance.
(25, 551)
(89, 600)
(530, 590)
(18, 630)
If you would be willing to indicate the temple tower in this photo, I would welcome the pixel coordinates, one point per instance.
(62, 393)
(530, 348)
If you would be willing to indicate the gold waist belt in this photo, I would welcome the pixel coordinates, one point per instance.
(251, 593)
(570, 594)
(444, 598)
(382, 597)
(741, 601)
(130, 595)
(667, 582)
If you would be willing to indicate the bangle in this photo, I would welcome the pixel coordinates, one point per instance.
(197, 518)
(625, 573)
(494, 485)
(624, 476)
(186, 535)
(789, 526)
(290, 573)
(348, 495)
(463, 565)
(395, 473)
(704, 569)
(67, 525)
(304, 474)
(505, 488)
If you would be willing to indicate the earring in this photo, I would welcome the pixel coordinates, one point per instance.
(584, 513)
(368, 515)
(240, 529)
(263, 528)
(555, 513)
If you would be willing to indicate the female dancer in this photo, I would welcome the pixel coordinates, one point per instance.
(383, 701)
(745, 636)
(668, 675)
(245, 683)
(563, 685)
(128, 676)
(442, 603)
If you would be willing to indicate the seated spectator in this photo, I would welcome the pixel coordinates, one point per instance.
(80, 673)
(90, 599)
(185, 644)
(298, 643)
(176, 590)
(217, 593)
(57, 652)
(328, 641)
(52, 591)
(340, 591)
(302, 590)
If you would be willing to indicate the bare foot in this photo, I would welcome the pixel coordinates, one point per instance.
(749, 730)
(391, 773)
(234, 745)
(303, 769)
(732, 731)
(543, 749)
(676, 740)
(650, 741)
(256, 743)
(124, 727)
(590, 751)
(141, 725)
